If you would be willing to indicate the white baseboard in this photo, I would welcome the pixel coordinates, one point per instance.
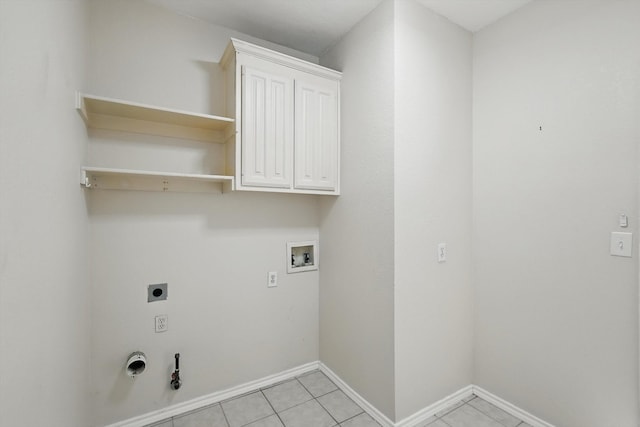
(353, 395)
(510, 408)
(410, 421)
(210, 399)
(426, 413)
(429, 411)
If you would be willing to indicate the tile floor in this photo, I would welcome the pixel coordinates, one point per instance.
(312, 400)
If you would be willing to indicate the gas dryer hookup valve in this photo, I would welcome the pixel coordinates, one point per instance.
(176, 382)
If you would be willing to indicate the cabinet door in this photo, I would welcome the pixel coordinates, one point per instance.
(316, 136)
(267, 129)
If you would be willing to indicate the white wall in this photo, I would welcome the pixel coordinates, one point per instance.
(214, 250)
(44, 295)
(556, 315)
(556, 318)
(432, 194)
(356, 290)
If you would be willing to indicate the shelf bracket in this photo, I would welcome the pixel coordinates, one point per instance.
(84, 179)
(80, 107)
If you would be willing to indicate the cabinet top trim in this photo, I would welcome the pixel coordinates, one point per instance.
(239, 46)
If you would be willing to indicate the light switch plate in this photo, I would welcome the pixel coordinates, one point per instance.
(621, 244)
(623, 221)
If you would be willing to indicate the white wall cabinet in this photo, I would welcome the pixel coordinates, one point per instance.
(282, 133)
(286, 119)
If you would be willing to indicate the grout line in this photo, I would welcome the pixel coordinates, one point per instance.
(270, 405)
(334, 418)
(329, 392)
(320, 395)
(294, 406)
(443, 421)
(315, 397)
(450, 409)
(185, 414)
(357, 415)
(308, 373)
(304, 388)
(237, 397)
(495, 419)
(280, 383)
(261, 391)
(327, 411)
(224, 415)
(277, 384)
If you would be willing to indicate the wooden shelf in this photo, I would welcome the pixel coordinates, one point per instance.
(129, 179)
(115, 114)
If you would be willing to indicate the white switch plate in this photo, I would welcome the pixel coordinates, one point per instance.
(623, 221)
(272, 279)
(162, 323)
(442, 252)
(621, 244)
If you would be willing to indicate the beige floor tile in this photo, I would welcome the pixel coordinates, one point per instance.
(246, 409)
(309, 414)
(287, 395)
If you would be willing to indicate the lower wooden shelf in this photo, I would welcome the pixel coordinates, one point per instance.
(129, 179)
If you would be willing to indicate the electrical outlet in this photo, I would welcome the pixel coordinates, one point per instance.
(162, 323)
(272, 279)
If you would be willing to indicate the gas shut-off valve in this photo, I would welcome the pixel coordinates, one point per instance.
(176, 382)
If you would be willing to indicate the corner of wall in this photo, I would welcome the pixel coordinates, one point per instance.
(44, 298)
(356, 229)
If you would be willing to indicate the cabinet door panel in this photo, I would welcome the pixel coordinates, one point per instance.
(316, 136)
(267, 129)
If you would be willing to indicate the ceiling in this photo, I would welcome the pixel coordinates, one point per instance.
(313, 26)
(474, 14)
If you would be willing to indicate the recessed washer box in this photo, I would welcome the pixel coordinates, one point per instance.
(302, 256)
(157, 292)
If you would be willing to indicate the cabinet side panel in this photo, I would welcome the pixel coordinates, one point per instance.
(328, 147)
(230, 111)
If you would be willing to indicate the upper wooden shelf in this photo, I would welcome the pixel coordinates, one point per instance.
(115, 114)
(129, 179)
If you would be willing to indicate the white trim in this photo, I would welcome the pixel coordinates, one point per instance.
(209, 399)
(431, 410)
(410, 421)
(240, 46)
(510, 408)
(353, 395)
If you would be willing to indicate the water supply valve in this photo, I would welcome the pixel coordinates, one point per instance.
(176, 382)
